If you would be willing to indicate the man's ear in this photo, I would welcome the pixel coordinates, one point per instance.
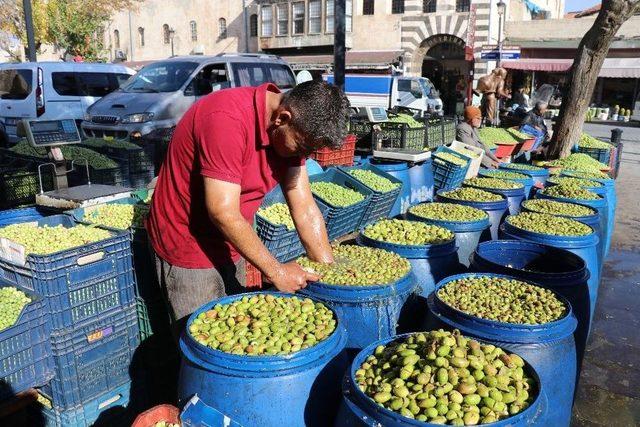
(283, 117)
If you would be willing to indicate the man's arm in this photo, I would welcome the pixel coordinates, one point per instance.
(306, 215)
(223, 205)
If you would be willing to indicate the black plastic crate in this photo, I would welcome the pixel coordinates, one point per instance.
(19, 182)
(363, 130)
(399, 136)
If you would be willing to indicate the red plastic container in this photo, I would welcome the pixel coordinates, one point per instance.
(340, 157)
(505, 150)
(149, 418)
(254, 277)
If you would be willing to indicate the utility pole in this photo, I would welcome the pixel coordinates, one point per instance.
(245, 22)
(31, 39)
(339, 41)
(130, 38)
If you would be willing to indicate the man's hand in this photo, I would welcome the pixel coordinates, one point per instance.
(290, 277)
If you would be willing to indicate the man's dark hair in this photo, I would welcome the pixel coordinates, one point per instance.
(320, 111)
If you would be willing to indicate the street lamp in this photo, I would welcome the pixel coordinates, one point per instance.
(501, 9)
(172, 33)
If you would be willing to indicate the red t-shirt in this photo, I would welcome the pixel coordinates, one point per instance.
(223, 136)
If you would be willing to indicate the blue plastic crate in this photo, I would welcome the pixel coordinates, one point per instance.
(13, 216)
(108, 409)
(602, 155)
(93, 357)
(342, 220)
(381, 203)
(530, 130)
(80, 283)
(447, 175)
(25, 352)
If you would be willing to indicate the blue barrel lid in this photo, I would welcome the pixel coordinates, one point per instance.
(264, 366)
(501, 331)
(485, 206)
(510, 257)
(411, 251)
(372, 407)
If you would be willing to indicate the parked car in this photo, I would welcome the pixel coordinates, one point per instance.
(53, 90)
(160, 93)
(389, 91)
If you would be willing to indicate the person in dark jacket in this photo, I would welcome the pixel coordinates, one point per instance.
(467, 133)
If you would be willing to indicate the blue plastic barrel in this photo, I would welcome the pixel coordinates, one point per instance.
(564, 272)
(468, 234)
(401, 171)
(495, 210)
(586, 247)
(298, 389)
(549, 348)
(421, 179)
(539, 176)
(527, 182)
(368, 313)
(601, 206)
(514, 196)
(359, 410)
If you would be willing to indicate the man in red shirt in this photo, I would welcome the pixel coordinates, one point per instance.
(227, 152)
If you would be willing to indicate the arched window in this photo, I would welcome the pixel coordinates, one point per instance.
(116, 39)
(141, 36)
(166, 37)
(194, 31)
(253, 25)
(429, 6)
(222, 28)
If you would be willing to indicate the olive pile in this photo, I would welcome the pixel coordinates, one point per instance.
(407, 119)
(553, 207)
(580, 182)
(466, 152)
(373, 180)
(520, 135)
(587, 141)
(402, 232)
(504, 300)
(470, 194)
(442, 377)
(48, 240)
(12, 301)
(114, 143)
(336, 195)
(498, 136)
(578, 162)
(570, 192)
(117, 215)
(70, 153)
(263, 324)
(493, 183)
(521, 166)
(549, 224)
(449, 158)
(278, 214)
(448, 212)
(502, 174)
(359, 266)
(587, 175)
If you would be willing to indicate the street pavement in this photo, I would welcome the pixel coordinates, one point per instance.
(609, 389)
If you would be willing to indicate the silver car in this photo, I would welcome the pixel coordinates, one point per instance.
(160, 93)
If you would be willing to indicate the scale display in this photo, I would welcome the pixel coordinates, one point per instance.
(49, 133)
(376, 114)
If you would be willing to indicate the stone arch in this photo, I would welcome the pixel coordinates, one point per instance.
(420, 52)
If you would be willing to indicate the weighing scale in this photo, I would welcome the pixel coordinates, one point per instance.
(52, 134)
(378, 115)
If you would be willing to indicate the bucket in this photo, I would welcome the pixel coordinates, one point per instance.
(401, 171)
(601, 206)
(556, 269)
(583, 246)
(368, 313)
(495, 210)
(549, 348)
(539, 176)
(421, 180)
(527, 182)
(358, 409)
(298, 389)
(468, 234)
(514, 196)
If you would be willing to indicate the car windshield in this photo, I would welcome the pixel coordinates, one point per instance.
(160, 77)
(428, 89)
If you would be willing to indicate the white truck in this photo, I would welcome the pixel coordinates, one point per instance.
(388, 91)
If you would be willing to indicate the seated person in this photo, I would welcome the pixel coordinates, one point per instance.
(467, 133)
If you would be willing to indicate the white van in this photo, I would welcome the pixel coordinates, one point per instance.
(53, 90)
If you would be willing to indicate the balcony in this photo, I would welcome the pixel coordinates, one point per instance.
(301, 41)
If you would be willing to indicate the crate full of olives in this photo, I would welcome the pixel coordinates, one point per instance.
(442, 377)
(449, 168)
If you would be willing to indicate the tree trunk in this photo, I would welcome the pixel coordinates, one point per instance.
(583, 75)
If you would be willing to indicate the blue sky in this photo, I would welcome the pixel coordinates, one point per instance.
(573, 5)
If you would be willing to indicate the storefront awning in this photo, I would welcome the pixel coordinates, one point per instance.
(362, 59)
(628, 68)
